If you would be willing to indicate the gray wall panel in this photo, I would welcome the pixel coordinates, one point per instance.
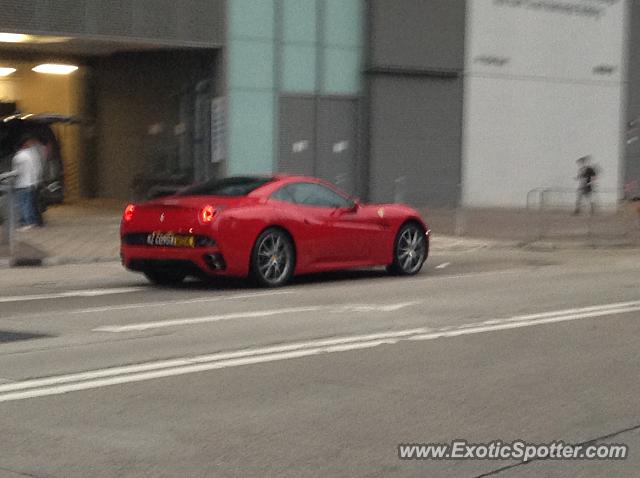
(419, 34)
(296, 142)
(170, 21)
(338, 143)
(416, 140)
(632, 166)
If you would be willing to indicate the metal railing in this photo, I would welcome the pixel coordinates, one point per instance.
(541, 202)
(544, 199)
(7, 188)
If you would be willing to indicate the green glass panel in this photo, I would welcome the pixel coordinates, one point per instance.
(344, 21)
(251, 18)
(251, 132)
(299, 69)
(299, 21)
(250, 64)
(342, 74)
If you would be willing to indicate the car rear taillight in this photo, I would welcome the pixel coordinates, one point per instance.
(128, 213)
(206, 214)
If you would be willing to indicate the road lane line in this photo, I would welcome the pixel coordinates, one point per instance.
(469, 275)
(202, 359)
(203, 320)
(511, 324)
(144, 305)
(359, 308)
(168, 368)
(72, 293)
(443, 266)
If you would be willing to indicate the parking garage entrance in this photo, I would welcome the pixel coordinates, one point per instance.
(144, 110)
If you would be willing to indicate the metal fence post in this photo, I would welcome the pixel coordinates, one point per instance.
(7, 185)
(11, 220)
(459, 227)
(541, 217)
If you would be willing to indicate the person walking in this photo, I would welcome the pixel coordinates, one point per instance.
(28, 165)
(586, 176)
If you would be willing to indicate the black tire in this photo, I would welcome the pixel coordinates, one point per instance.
(165, 277)
(410, 250)
(272, 258)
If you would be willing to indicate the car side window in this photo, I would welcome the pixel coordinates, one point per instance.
(284, 194)
(311, 194)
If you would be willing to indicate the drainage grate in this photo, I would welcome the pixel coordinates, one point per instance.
(6, 336)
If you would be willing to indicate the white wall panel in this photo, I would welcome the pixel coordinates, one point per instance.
(542, 88)
(525, 134)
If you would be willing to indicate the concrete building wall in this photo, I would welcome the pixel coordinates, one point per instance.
(543, 87)
(632, 143)
(177, 22)
(415, 65)
(297, 57)
(417, 34)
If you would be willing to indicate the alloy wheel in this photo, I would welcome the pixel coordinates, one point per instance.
(274, 258)
(411, 250)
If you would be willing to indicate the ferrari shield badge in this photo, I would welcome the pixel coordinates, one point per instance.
(381, 212)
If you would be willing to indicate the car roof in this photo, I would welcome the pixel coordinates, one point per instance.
(293, 178)
(281, 179)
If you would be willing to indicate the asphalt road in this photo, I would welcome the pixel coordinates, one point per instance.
(103, 375)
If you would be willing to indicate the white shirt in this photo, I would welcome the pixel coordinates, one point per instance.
(29, 167)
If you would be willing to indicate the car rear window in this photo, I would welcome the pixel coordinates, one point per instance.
(235, 186)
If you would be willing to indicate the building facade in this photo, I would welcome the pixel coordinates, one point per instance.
(433, 102)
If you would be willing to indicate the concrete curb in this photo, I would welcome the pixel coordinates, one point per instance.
(465, 244)
(439, 244)
(6, 263)
(547, 246)
(62, 261)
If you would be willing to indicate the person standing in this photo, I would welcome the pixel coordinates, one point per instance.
(586, 176)
(27, 163)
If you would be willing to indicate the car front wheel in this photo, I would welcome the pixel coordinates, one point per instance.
(410, 250)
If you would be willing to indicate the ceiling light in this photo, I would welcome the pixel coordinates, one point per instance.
(55, 69)
(13, 38)
(5, 71)
(22, 38)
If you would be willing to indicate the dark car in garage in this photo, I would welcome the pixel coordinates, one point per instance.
(14, 128)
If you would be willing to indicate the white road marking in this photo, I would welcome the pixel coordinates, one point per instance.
(134, 373)
(469, 275)
(62, 384)
(144, 305)
(72, 293)
(254, 315)
(443, 266)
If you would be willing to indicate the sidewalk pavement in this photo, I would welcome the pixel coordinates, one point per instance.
(88, 232)
(74, 233)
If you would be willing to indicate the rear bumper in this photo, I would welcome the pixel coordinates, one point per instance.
(197, 261)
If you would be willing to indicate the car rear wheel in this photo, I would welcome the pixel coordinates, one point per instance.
(410, 250)
(273, 258)
(165, 277)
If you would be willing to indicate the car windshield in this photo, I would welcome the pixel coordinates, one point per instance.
(236, 186)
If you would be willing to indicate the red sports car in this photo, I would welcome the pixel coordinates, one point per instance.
(269, 229)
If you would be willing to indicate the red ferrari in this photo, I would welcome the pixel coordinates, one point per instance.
(268, 229)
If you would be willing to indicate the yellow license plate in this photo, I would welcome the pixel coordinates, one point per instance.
(168, 239)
